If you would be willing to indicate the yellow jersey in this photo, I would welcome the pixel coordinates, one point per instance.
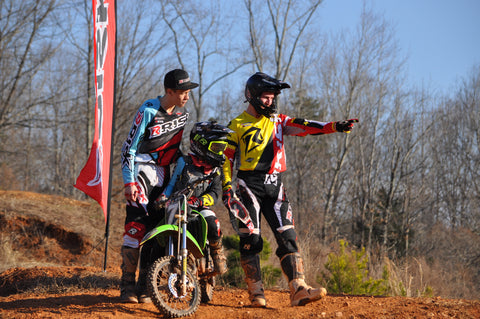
(257, 143)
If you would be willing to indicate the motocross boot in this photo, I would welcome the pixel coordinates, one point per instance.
(129, 268)
(218, 257)
(145, 254)
(142, 287)
(253, 278)
(300, 293)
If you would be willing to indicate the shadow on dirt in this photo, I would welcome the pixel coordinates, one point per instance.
(54, 280)
(97, 303)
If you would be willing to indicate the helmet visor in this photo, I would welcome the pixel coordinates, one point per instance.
(217, 147)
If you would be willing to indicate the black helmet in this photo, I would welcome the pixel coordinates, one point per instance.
(259, 83)
(208, 140)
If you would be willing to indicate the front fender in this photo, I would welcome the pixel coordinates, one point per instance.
(164, 231)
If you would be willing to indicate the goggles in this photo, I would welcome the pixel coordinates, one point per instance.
(217, 147)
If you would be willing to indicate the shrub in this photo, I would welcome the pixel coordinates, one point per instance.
(271, 275)
(348, 273)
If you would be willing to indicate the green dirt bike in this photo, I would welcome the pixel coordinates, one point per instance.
(181, 274)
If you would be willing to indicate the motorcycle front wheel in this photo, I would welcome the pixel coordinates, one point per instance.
(165, 289)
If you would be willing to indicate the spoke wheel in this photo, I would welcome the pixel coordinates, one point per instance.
(165, 291)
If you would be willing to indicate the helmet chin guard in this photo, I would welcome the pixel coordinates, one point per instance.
(259, 83)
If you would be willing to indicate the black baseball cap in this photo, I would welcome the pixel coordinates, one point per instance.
(178, 80)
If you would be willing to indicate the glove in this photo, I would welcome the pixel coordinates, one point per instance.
(162, 198)
(194, 202)
(160, 202)
(345, 126)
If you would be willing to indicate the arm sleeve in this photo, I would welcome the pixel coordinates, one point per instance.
(230, 160)
(134, 138)
(178, 170)
(213, 193)
(303, 127)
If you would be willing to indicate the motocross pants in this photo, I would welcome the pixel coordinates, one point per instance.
(265, 194)
(141, 216)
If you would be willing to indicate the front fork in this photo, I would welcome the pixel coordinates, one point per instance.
(183, 253)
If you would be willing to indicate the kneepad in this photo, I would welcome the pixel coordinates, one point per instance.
(134, 233)
(252, 244)
(214, 231)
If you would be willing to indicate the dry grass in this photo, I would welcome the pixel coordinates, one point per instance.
(41, 230)
(39, 233)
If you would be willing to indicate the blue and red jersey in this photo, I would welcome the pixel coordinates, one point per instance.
(155, 136)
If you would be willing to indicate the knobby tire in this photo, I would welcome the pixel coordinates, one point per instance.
(162, 276)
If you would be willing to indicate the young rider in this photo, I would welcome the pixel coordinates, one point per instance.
(207, 146)
(257, 143)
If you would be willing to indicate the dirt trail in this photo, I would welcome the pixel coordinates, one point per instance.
(98, 302)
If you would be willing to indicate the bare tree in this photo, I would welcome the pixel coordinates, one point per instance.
(78, 29)
(140, 55)
(468, 103)
(23, 51)
(282, 32)
(202, 45)
(140, 67)
(27, 43)
(456, 156)
(358, 80)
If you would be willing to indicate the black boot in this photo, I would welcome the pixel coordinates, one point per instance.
(142, 287)
(146, 253)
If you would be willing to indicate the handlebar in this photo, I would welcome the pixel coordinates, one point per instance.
(191, 186)
(188, 190)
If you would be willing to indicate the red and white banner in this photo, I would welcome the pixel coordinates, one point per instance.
(94, 177)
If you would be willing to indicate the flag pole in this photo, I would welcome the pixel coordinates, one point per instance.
(107, 222)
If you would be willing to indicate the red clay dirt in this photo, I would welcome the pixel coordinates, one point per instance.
(46, 281)
(227, 303)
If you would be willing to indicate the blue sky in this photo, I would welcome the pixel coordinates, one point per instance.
(440, 38)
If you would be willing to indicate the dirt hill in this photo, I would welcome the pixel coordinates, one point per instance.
(51, 266)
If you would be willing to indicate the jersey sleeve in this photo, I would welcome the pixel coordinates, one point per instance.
(303, 127)
(130, 146)
(176, 174)
(232, 140)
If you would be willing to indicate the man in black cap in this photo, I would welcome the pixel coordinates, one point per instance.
(152, 144)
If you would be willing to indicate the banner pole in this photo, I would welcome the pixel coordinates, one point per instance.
(107, 224)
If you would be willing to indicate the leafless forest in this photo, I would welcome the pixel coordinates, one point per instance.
(404, 184)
